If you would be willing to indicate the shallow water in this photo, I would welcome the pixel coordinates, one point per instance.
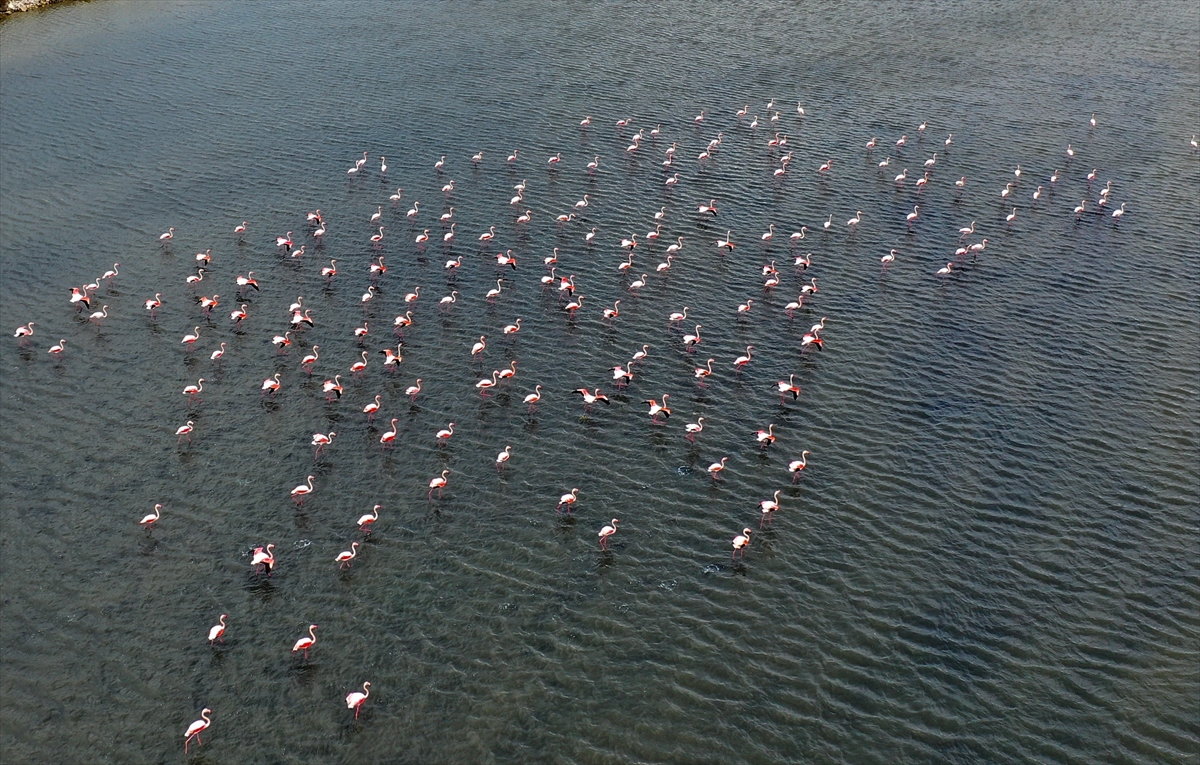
(990, 558)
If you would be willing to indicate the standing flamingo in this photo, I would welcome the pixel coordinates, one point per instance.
(195, 729)
(364, 522)
(302, 491)
(355, 700)
(150, 519)
(345, 557)
(438, 483)
(218, 630)
(568, 499)
(740, 543)
(796, 466)
(265, 557)
(607, 532)
(305, 643)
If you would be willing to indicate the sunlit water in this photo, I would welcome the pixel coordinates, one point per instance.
(990, 558)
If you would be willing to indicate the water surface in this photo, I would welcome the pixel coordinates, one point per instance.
(990, 558)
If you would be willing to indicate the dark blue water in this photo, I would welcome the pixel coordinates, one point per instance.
(989, 558)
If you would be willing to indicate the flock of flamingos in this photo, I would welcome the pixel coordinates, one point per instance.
(84, 300)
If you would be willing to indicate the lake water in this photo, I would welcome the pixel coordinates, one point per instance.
(991, 556)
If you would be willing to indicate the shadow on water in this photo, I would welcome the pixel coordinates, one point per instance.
(261, 587)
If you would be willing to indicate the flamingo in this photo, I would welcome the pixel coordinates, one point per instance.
(199, 726)
(330, 270)
(305, 643)
(321, 440)
(271, 385)
(241, 229)
(149, 520)
(190, 339)
(799, 303)
(355, 700)
(716, 468)
(333, 388)
(440, 163)
(414, 211)
(412, 390)
(856, 219)
(185, 430)
(284, 241)
(693, 428)
(889, 257)
(239, 314)
(264, 557)
(345, 557)
(766, 437)
(1011, 216)
(208, 303)
(217, 631)
(358, 367)
(1119, 213)
(282, 341)
(444, 435)
(704, 371)
(768, 507)
(622, 375)
(194, 391)
(371, 408)
(656, 409)
(796, 466)
(152, 305)
(247, 281)
(534, 397)
(568, 499)
(607, 532)
(676, 317)
(726, 243)
(364, 522)
(510, 372)
(809, 288)
(798, 235)
(590, 398)
(692, 340)
(742, 361)
(492, 294)
(740, 543)
(168, 236)
(195, 278)
(676, 247)
(302, 491)
(637, 284)
(485, 384)
(789, 387)
(944, 271)
(819, 326)
(614, 312)
(389, 437)
(99, 316)
(438, 483)
(674, 179)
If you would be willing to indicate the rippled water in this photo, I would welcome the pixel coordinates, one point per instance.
(990, 558)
